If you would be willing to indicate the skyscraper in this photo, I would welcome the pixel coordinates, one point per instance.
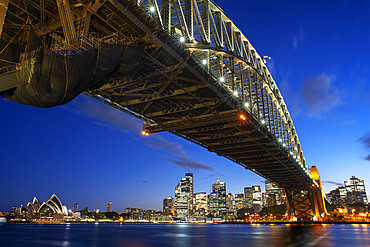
(168, 206)
(220, 189)
(109, 207)
(230, 206)
(248, 196)
(356, 192)
(184, 196)
(239, 201)
(257, 198)
(273, 190)
(201, 204)
(75, 207)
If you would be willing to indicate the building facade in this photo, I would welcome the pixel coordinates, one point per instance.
(169, 206)
(109, 207)
(200, 204)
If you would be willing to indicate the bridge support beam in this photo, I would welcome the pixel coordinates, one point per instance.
(3, 9)
(307, 204)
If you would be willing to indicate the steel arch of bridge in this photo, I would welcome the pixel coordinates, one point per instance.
(198, 73)
(224, 51)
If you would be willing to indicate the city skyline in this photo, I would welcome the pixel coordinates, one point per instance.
(90, 151)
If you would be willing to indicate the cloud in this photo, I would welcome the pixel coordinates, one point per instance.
(109, 117)
(160, 142)
(297, 38)
(189, 164)
(319, 95)
(177, 155)
(332, 182)
(365, 140)
(104, 115)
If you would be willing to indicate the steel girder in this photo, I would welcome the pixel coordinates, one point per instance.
(195, 89)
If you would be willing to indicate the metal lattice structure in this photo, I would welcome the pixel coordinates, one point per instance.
(200, 78)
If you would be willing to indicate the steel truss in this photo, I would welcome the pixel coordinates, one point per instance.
(198, 75)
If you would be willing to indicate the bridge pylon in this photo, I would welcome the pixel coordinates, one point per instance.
(307, 204)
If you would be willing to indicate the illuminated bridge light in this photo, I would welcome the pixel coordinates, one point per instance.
(284, 145)
(204, 61)
(235, 93)
(246, 104)
(280, 140)
(242, 117)
(152, 9)
(182, 39)
(222, 79)
(263, 121)
(144, 133)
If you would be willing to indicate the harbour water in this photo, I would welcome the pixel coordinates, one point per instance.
(183, 235)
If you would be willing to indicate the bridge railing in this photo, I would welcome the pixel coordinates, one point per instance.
(223, 50)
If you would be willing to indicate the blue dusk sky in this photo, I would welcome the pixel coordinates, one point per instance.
(89, 153)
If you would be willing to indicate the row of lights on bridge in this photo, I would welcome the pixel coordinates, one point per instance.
(235, 93)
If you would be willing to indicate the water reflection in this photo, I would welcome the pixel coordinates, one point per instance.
(184, 235)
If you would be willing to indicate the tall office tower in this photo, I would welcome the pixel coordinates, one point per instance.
(248, 196)
(184, 196)
(230, 206)
(239, 202)
(109, 207)
(220, 189)
(181, 203)
(257, 198)
(273, 189)
(168, 206)
(75, 207)
(213, 204)
(355, 190)
(201, 204)
(187, 189)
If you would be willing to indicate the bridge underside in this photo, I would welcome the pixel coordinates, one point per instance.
(167, 92)
(171, 91)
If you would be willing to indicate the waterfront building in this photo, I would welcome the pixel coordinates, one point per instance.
(220, 189)
(150, 214)
(200, 204)
(168, 206)
(51, 206)
(109, 207)
(248, 197)
(338, 196)
(257, 198)
(355, 189)
(135, 213)
(75, 207)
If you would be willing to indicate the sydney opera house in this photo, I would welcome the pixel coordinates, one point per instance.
(52, 206)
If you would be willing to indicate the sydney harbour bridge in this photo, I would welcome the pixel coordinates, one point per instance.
(181, 66)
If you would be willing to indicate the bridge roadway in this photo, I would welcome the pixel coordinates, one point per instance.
(199, 78)
(173, 92)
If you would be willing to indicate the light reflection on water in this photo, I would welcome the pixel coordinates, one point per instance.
(183, 235)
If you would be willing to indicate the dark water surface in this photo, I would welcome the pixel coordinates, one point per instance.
(138, 235)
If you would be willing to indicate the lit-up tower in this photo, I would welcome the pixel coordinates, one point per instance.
(201, 204)
(257, 198)
(248, 196)
(75, 207)
(168, 206)
(184, 196)
(355, 190)
(220, 189)
(109, 207)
